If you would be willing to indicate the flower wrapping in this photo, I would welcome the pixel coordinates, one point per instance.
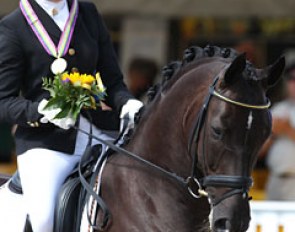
(72, 92)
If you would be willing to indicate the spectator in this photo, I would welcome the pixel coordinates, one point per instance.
(281, 154)
(141, 75)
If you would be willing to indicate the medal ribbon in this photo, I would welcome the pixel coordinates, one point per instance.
(42, 34)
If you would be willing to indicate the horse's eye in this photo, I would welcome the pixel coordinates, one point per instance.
(217, 133)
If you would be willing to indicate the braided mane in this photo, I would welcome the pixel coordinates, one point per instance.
(172, 71)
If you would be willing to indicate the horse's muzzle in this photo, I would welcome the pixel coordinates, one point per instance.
(224, 225)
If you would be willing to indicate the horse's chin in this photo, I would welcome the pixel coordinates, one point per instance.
(225, 219)
(224, 225)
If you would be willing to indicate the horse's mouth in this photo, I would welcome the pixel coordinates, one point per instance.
(224, 225)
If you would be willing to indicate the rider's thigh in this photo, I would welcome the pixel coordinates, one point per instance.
(12, 213)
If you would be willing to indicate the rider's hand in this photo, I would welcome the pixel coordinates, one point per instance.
(128, 113)
(49, 114)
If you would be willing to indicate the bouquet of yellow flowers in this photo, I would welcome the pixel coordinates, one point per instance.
(72, 92)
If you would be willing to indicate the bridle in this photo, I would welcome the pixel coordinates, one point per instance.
(237, 184)
(196, 185)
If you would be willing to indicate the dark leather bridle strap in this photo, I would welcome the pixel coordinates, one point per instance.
(236, 182)
(90, 192)
(239, 184)
(228, 194)
(89, 187)
(195, 135)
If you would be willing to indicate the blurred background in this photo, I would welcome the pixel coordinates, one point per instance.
(159, 31)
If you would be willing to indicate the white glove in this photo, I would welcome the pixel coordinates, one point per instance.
(49, 114)
(128, 112)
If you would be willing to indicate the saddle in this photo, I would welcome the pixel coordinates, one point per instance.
(71, 198)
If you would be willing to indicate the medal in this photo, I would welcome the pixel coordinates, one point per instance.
(58, 66)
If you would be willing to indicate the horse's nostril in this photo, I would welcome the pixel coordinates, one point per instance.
(222, 225)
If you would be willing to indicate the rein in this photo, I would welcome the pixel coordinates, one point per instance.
(123, 151)
(238, 184)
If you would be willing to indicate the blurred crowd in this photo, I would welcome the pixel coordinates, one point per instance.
(279, 150)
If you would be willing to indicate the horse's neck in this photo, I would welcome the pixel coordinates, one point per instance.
(151, 200)
(163, 133)
(160, 140)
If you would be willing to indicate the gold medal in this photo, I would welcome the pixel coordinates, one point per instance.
(59, 66)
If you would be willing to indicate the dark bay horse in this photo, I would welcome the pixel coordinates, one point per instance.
(202, 131)
(207, 136)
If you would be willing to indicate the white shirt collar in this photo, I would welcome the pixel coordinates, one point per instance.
(62, 8)
(48, 6)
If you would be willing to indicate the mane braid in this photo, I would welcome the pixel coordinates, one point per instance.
(192, 56)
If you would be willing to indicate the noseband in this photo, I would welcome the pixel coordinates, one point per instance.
(237, 184)
(196, 186)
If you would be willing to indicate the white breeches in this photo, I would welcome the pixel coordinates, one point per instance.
(42, 174)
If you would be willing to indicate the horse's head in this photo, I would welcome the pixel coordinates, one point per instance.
(227, 134)
(207, 121)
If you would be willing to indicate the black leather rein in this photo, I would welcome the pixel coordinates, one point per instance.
(195, 185)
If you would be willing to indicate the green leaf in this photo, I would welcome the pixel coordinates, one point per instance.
(64, 113)
(54, 103)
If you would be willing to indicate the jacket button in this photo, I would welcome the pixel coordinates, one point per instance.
(33, 124)
(74, 70)
(72, 52)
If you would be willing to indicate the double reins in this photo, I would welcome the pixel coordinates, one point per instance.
(196, 186)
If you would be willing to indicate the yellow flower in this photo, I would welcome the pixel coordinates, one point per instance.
(71, 91)
(83, 80)
(75, 78)
(99, 82)
(87, 79)
(65, 77)
(86, 86)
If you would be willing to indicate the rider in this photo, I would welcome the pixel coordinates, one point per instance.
(47, 152)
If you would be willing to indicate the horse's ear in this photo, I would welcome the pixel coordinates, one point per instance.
(274, 72)
(236, 67)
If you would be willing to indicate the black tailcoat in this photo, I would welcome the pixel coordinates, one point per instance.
(23, 63)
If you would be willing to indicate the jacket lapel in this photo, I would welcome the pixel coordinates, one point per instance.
(52, 29)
